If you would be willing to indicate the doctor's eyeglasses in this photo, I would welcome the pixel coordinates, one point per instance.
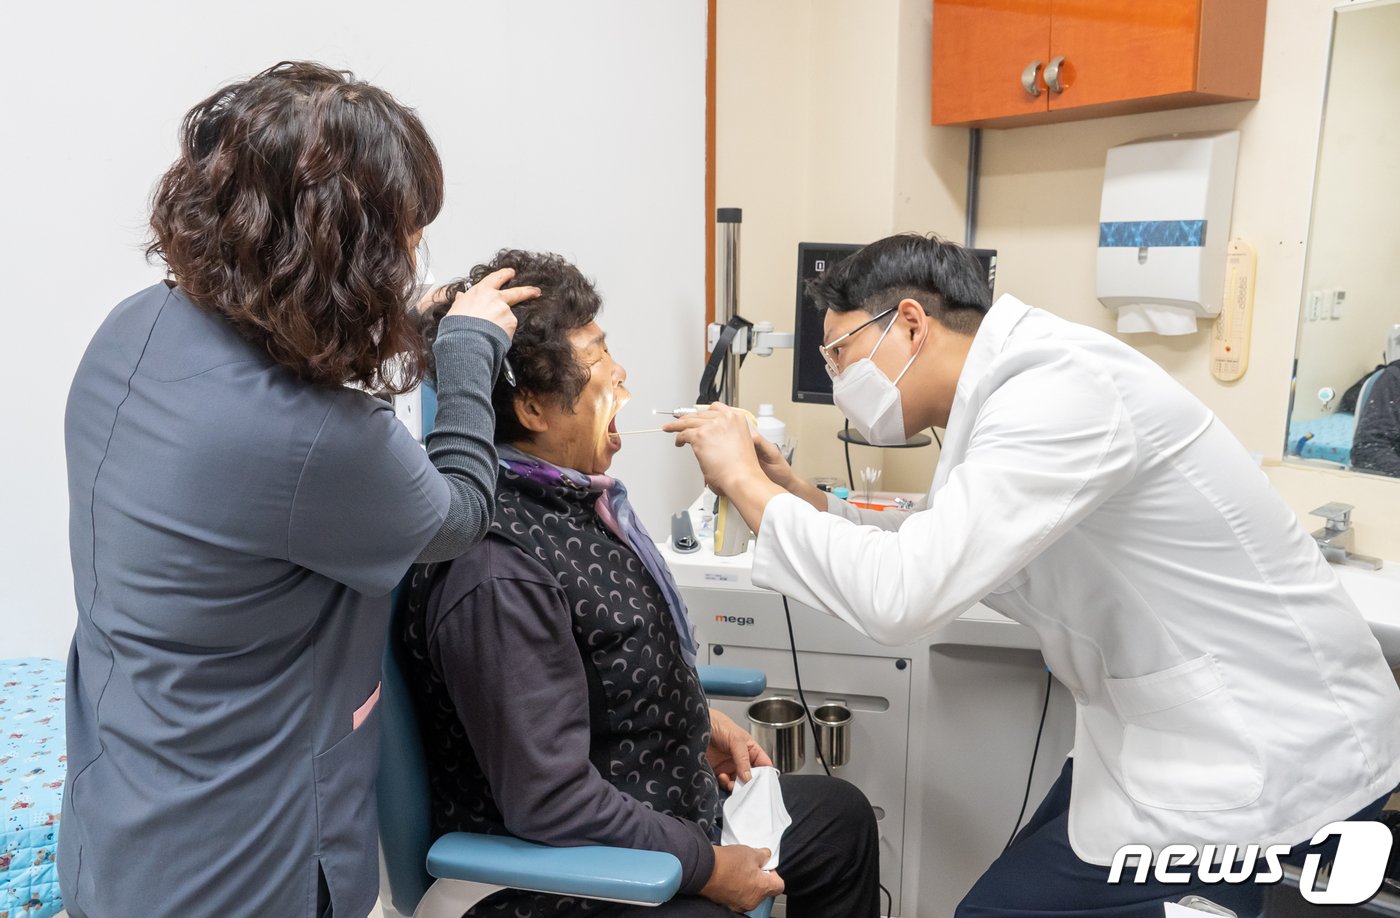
(831, 351)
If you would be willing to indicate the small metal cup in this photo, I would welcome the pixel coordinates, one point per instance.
(777, 725)
(834, 733)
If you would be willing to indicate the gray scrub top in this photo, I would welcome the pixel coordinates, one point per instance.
(235, 535)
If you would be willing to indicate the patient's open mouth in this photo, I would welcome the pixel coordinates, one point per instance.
(620, 400)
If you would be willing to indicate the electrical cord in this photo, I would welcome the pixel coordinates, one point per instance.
(850, 479)
(812, 721)
(801, 695)
(1034, 753)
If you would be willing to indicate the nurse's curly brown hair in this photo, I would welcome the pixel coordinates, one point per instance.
(291, 210)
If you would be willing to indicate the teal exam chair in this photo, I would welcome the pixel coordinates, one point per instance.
(443, 878)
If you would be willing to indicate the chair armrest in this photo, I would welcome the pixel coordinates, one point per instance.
(764, 909)
(592, 872)
(732, 681)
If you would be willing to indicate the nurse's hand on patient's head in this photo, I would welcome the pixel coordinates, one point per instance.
(739, 881)
(733, 753)
(723, 444)
(486, 300)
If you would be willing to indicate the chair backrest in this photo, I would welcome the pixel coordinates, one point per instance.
(405, 804)
(1365, 394)
(427, 409)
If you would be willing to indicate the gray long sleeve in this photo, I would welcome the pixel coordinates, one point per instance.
(468, 353)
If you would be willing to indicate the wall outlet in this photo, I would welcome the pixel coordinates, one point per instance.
(1314, 310)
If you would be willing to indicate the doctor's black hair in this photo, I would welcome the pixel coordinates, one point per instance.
(943, 277)
(540, 355)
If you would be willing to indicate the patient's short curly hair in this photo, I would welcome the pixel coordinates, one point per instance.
(540, 354)
(290, 210)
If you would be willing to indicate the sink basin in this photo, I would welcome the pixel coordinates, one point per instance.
(1377, 594)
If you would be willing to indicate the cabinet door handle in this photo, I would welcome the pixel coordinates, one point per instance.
(1028, 81)
(1052, 74)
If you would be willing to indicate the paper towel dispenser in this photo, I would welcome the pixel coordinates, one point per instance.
(1164, 225)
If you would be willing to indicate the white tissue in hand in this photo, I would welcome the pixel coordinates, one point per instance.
(754, 815)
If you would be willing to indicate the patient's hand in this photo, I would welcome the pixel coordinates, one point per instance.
(732, 751)
(739, 881)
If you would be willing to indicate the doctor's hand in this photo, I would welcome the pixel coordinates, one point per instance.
(733, 752)
(771, 460)
(739, 881)
(723, 444)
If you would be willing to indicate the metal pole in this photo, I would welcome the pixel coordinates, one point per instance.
(727, 220)
(974, 179)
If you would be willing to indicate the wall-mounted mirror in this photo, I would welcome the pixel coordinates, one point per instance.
(1346, 395)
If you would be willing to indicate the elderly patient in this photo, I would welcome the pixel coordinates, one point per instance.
(554, 664)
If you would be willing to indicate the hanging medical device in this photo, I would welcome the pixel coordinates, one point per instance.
(731, 337)
(1164, 227)
(1229, 345)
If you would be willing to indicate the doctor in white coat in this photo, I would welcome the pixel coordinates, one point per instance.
(1227, 690)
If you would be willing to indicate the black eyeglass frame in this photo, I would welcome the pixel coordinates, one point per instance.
(832, 369)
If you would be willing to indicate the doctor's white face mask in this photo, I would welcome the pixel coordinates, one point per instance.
(870, 400)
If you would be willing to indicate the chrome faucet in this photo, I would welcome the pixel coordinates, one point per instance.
(1336, 537)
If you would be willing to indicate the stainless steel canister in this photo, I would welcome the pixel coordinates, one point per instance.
(834, 733)
(778, 726)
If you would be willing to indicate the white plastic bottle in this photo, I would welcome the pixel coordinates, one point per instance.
(772, 429)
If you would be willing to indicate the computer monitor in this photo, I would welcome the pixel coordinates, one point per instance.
(810, 384)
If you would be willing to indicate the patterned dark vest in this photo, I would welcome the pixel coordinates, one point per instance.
(649, 718)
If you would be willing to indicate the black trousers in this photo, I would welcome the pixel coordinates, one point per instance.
(1041, 876)
(830, 858)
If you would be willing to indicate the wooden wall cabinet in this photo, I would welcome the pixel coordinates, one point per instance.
(1005, 63)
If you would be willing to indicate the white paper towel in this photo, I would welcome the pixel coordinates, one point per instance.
(755, 815)
(1158, 318)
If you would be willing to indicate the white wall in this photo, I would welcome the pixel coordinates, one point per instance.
(572, 127)
(806, 115)
(1039, 204)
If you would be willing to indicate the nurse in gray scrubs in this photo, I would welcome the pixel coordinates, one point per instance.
(240, 512)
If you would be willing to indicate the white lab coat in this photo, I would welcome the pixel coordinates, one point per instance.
(1227, 689)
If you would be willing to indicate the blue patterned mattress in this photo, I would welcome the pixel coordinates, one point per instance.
(32, 769)
(1327, 437)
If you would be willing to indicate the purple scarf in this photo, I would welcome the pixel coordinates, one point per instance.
(616, 513)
